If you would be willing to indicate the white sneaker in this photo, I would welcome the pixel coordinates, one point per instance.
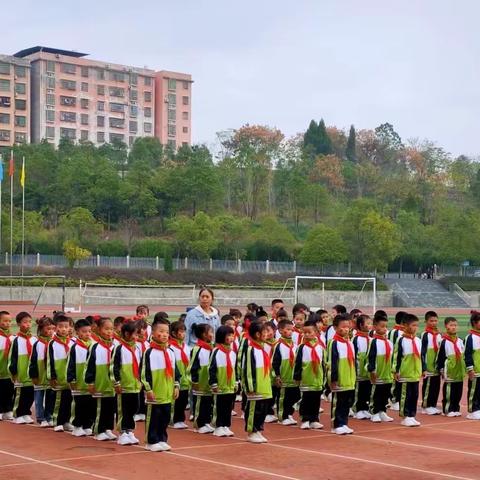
(58, 428)
(417, 423)
(133, 439)
(155, 447)
(385, 418)
(254, 438)
(165, 446)
(376, 418)
(474, 415)
(340, 431)
(102, 437)
(68, 427)
(289, 421)
(458, 414)
(271, 419)
(7, 416)
(362, 415)
(44, 424)
(28, 419)
(111, 435)
(88, 431)
(228, 432)
(305, 426)
(395, 407)
(78, 432)
(205, 429)
(124, 439)
(316, 425)
(19, 420)
(234, 413)
(431, 411)
(451, 414)
(238, 398)
(50, 423)
(139, 417)
(348, 429)
(219, 432)
(264, 440)
(180, 425)
(409, 422)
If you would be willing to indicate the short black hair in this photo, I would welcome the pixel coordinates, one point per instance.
(62, 319)
(450, 320)
(129, 327)
(341, 317)
(284, 323)
(82, 322)
(160, 316)
(226, 318)
(298, 307)
(410, 318)
(222, 333)
(340, 309)
(118, 321)
(20, 316)
(177, 326)
(474, 317)
(199, 329)
(310, 323)
(277, 300)
(430, 314)
(255, 327)
(361, 319)
(400, 317)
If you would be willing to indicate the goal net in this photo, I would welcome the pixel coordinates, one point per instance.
(325, 292)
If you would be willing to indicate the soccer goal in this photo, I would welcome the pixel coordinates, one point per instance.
(325, 292)
(111, 294)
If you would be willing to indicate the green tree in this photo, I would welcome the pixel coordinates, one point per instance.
(351, 150)
(73, 253)
(324, 244)
(80, 226)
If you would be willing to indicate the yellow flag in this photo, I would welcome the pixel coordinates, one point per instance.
(22, 175)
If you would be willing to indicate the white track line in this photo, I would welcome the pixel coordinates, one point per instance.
(458, 432)
(68, 469)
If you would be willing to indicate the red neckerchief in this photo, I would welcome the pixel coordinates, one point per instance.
(45, 341)
(324, 328)
(81, 344)
(314, 355)
(27, 341)
(364, 335)
(388, 349)
(95, 337)
(202, 344)
(266, 357)
(321, 342)
(107, 347)
(475, 332)
(131, 349)
(458, 353)
(116, 336)
(181, 347)
(398, 327)
(291, 354)
(272, 346)
(350, 352)
(64, 343)
(227, 351)
(300, 335)
(8, 342)
(414, 344)
(435, 334)
(168, 362)
(142, 345)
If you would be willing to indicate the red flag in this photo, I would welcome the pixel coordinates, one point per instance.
(11, 166)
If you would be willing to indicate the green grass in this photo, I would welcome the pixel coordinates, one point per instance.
(463, 324)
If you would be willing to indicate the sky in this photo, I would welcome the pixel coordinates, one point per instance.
(412, 63)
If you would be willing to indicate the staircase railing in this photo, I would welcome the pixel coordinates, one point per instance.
(457, 290)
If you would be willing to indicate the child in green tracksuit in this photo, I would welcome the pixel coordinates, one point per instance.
(379, 366)
(83, 404)
(99, 383)
(198, 375)
(18, 362)
(472, 363)
(257, 383)
(6, 385)
(283, 363)
(43, 394)
(408, 369)
(451, 365)
(58, 349)
(125, 373)
(161, 380)
(309, 375)
(222, 380)
(341, 374)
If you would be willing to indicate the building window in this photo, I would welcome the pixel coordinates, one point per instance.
(117, 92)
(84, 87)
(172, 99)
(147, 127)
(101, 106)
(50, 132)
(68, 84)
(4, 85)
(101, 89)
(117, 76)
(68, 117)
(147, 96)
(50, 115)
(84, 71)
(172, 130)
(84, 135)
(116, 137)
(68, 68)
(20, 104)
(132, 127)
(5, 118)
(21, 88)
(100, 74)
(133, 110)
(148, 112)
(172, 144)
(172, 114)
(20, 71)
(100, 121)
(84, 118)
(84, 102)
(185, 100)
(147, 81)
(20, 121)
(70, 133)
(5, 101)
(131, 141)
(184, 115)
(185, 129)
(133, 79)
(101, 137)
(133, 95)
(50, 99)
(20, 137)
(116, 122)
(185, 85)
(172, 84)
(117, 107)
(68, 101)
(4, 135)
(4, 68)
(50, 82)
(50, 66)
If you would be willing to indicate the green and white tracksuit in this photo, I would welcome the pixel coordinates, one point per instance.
(182, 359)
(37, 368)
(6, 384)
(379, 361)
(363, 387)
(472, 362)
(431, 340)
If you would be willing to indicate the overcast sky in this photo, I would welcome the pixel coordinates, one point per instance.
(412, 63)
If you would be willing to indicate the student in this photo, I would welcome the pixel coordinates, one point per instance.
(379, 366)
(261, 315)
(299, 319)
(472, 362)
(117, 330)
(222, 380)
(99, 383)
(84, 405)
(44, 396)
(451, 365)
(242, 349)
(18, 362)
(142, 343)
(431, 340)
(198, 375)
(182, 359)
(142, 312)
(125, 373)
(309, 375)
(7, 389)
(269, 345)
(363, 387)
(160, 378)
(257, 383)
(341, 374)
(408, 368)
(283, 362)
(393, 336)
(330, 331)
(277, 304)
(252, 308)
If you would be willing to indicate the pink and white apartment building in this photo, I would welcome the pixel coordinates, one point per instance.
(89, 100)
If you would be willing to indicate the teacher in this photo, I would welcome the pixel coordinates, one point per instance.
(204, 312)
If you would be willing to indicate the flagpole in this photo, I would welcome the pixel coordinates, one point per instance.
(22, 181)
(11, 221)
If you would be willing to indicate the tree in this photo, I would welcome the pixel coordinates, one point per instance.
(323, 245)
(73, 253)
(80, 226)
(351, 150)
